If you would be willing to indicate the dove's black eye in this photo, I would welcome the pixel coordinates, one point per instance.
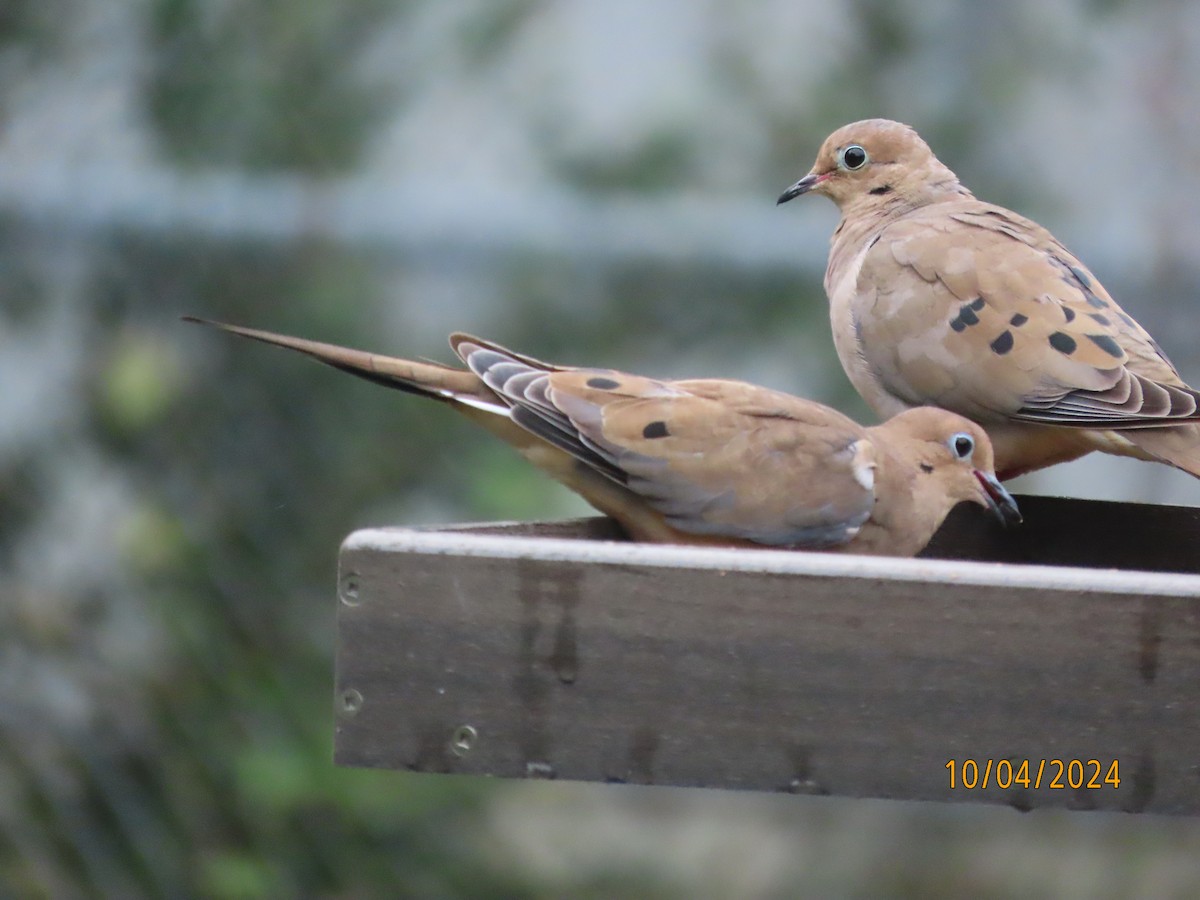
(962, 445)
(854, 157)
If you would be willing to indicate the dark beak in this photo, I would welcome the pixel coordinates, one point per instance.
(803, 186)
(999, 500)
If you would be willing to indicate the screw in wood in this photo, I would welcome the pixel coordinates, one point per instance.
(463, 740)
(351, 701)
(349, 589)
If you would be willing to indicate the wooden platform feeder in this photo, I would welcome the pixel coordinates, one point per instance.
(557, 650)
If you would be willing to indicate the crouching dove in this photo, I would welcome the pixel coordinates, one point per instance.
(939, 298)
(705, 461)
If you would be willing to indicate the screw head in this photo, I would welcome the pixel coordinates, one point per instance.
(350, 701)
(463, 740)
(348, 589)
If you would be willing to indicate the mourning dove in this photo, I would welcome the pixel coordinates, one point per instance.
(939, 298)
(705, 461)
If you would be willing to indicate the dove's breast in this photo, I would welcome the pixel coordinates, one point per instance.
(847, 307)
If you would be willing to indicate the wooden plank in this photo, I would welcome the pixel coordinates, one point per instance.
(526, 656)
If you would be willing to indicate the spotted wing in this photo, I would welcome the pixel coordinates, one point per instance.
(973, 308)
(717, 458)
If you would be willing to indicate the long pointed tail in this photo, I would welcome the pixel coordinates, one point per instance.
(425, 379)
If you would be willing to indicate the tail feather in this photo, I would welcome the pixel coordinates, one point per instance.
(467, 393)
(425, 379)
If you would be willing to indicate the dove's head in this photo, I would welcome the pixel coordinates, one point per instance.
(955, 454)
(876, 161)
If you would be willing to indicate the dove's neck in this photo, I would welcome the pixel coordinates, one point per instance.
(868, 212)
(906, 512)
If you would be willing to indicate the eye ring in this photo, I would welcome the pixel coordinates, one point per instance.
(853, 157)
(962, 445)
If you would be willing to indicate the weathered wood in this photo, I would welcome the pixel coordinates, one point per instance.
(513, 654)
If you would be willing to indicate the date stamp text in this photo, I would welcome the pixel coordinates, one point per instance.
(1055, 774)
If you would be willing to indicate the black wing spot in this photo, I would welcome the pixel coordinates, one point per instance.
(1082, 276)
(1063, 343)
(656, 429)
(1018, 320)
(1107, 344)
(966, 316)
(1095, 301)
(1068, 313)
(603, 384)
(1099, 319)
(1002, 344)
(977, 304)
(1128, 320)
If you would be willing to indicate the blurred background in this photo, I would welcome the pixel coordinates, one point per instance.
(589, 183)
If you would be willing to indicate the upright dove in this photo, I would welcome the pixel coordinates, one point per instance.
(939, 298)
(705, 461)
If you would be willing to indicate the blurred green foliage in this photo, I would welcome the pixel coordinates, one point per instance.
(265, 84)
(661, 163)
(16, 18)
